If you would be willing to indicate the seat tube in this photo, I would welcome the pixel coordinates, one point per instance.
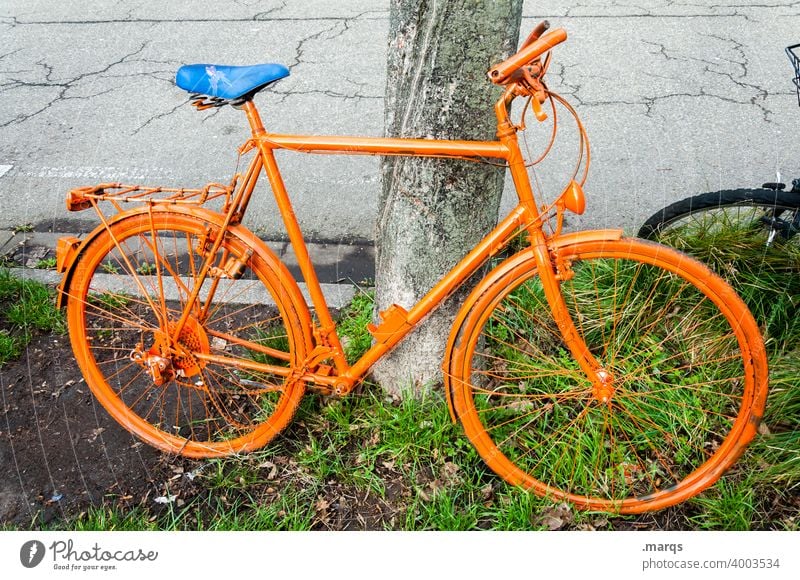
(327, 326)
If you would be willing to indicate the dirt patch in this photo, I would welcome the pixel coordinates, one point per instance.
(60, 451)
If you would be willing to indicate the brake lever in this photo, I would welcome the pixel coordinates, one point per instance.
(531, 75)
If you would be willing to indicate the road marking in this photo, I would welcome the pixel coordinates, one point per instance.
(100, 173)
(5, 169)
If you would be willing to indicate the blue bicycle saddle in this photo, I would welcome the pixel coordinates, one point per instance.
(228, 82)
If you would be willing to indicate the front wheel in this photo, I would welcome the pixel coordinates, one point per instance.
(683, 358)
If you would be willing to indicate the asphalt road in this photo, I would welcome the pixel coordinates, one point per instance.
(678, 98)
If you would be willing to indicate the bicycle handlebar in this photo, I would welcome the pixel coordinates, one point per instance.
(540, 29)
(500, 73)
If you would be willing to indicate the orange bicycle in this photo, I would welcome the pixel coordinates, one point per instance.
(613, 373)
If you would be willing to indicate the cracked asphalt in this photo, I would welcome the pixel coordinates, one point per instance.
(678, 97)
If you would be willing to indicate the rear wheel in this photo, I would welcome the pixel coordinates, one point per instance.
(749, 237)
(199, 393)
(685, 368)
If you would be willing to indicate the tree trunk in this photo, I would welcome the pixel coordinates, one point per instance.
(433, 211)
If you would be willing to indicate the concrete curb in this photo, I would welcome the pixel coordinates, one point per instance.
(246, 292)
(342, 268)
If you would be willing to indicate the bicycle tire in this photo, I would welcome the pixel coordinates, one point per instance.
(131, 283)
(749, 238)
(699, 205)
(689, 368)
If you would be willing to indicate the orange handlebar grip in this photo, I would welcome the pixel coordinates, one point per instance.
(499, 73)
(540, 29)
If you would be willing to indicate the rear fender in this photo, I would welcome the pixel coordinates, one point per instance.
(71, 251)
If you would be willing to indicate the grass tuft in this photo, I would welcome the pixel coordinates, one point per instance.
(352, 325)
(25, 306)
(761, 490)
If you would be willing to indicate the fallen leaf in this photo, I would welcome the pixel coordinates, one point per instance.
(555, 517)
(600, 523)
(449, 473)
(94, 433)
(273, 469)
(552, 522)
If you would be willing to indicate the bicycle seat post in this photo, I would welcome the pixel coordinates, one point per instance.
(256, 126)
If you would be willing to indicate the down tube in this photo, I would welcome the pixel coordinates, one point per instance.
(489, 246)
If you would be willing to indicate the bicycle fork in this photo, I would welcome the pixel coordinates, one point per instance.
(553, 271)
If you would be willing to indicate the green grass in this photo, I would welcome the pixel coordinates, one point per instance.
(352, 325)
(25, 306)
(146, 269)
(766, 277)
(404, 456)
(22, 228)
(113, 518)
(404, 465)
(11, 346)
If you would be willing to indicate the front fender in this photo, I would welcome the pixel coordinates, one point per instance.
(496, 274)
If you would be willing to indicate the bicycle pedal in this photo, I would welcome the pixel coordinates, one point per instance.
(393, 319)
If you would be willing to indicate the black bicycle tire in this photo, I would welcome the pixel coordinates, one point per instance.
(715, 199)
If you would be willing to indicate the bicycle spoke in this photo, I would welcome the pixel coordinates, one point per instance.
(675, 386)
(218, 385)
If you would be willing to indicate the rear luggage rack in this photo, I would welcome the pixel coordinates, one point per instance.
(83, 198)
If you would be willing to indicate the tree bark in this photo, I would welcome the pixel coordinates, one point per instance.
(432, 211)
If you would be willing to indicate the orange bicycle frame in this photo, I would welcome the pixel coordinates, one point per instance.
(397, 322)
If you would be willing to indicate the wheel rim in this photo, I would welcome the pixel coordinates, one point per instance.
(121, 322)
(657, 438)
